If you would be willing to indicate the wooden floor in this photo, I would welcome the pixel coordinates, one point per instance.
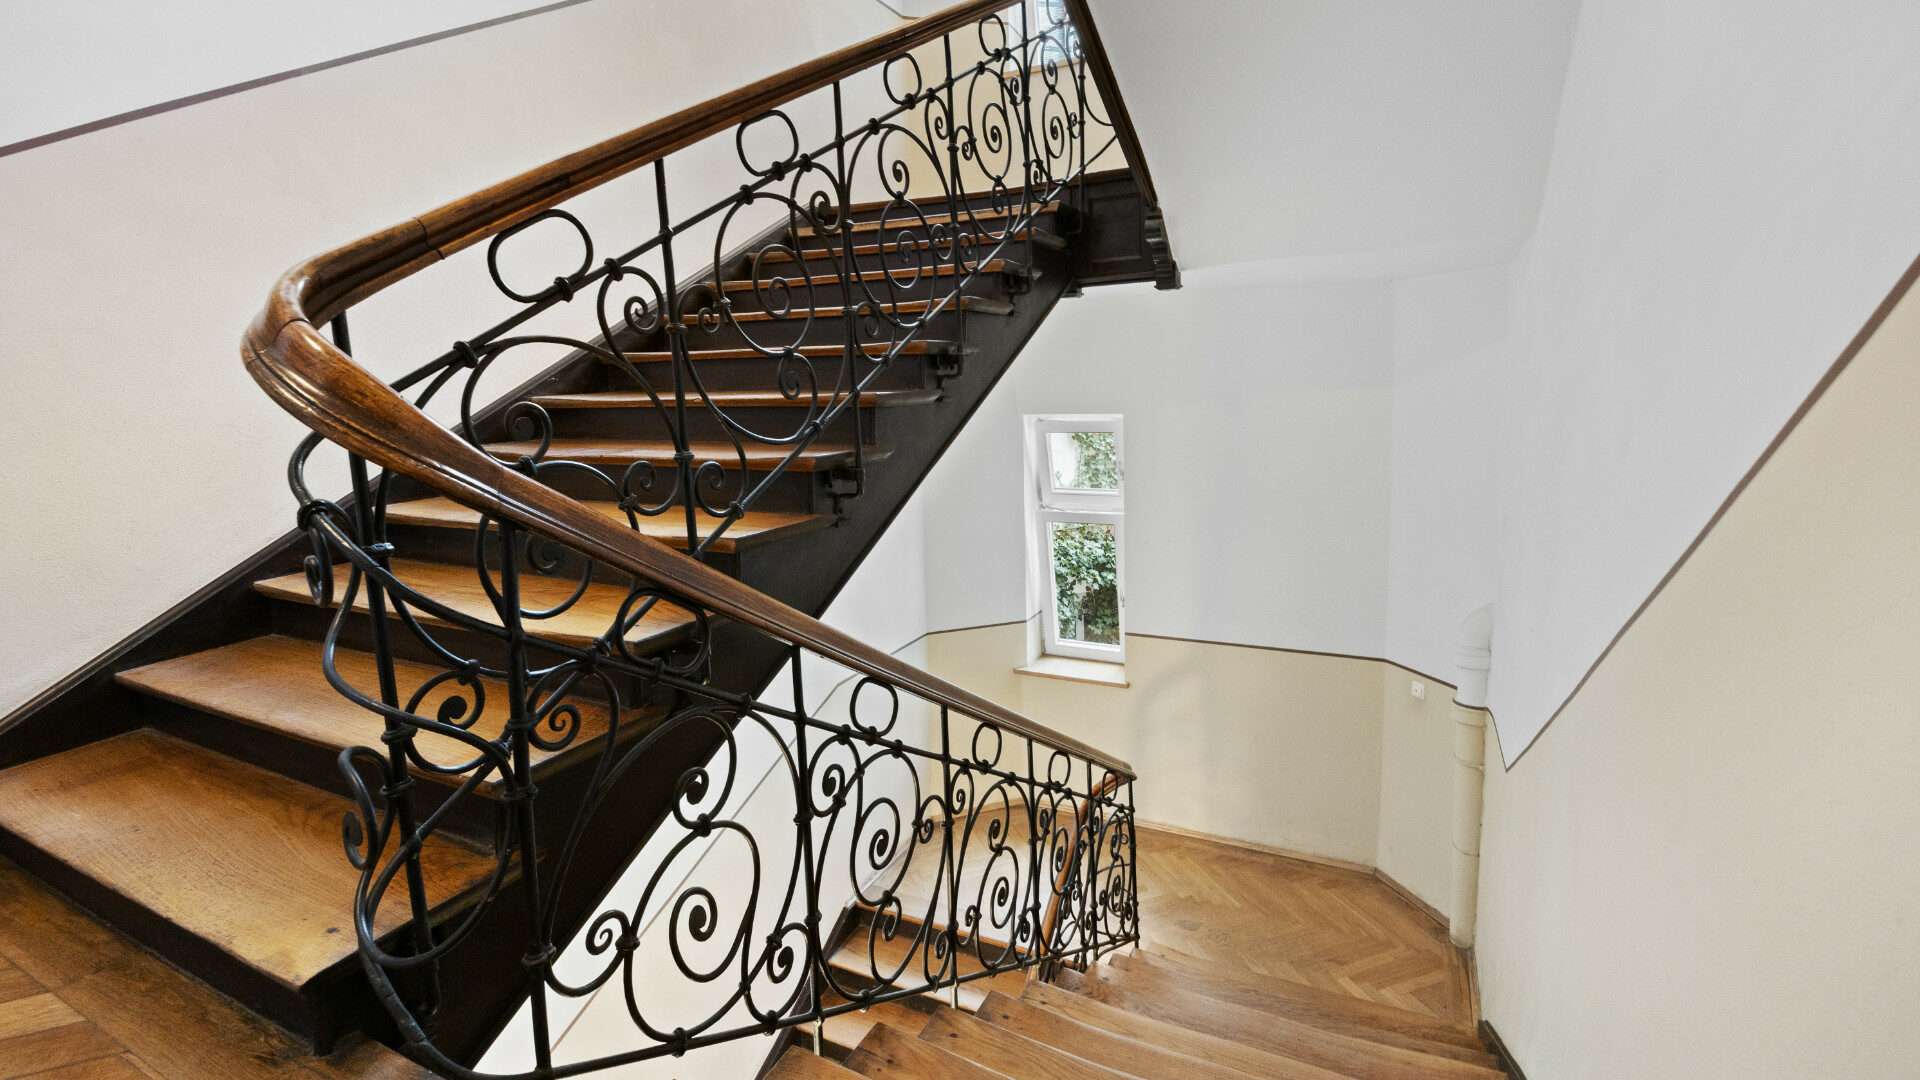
(1337, 929)
(80, 1002)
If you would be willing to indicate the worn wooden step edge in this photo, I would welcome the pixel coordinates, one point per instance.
(1274, 1033)
(1149, 1031)
(1006, 1051)
(916, 347)
(1326, 1008)
(844, 1031)
(851, 958)
(761, 457)
(886, 1052)
(752, 529)
(799, 1063)
(739, 399)
(901, 278)
(277, 684)
(458, 588)
(1136, 1055)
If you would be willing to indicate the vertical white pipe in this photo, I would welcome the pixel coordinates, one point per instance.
(1474, 658)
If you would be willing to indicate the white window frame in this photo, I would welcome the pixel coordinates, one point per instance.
(1048, 504)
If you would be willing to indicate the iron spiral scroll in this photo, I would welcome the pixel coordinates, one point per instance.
(973, 849)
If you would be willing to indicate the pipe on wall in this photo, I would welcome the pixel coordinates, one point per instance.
(1474, 657)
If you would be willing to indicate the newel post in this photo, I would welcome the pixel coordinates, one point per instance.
(1474, 657)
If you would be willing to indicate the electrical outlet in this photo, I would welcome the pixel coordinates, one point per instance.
(1418, 689)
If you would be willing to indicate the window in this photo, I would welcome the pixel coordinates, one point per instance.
(1077, 464)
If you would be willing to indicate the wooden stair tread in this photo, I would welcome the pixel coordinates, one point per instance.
(751, 528)
(1136, 1057)
(245, 859)
(799, 1063)
(1325, 1008)
(916, 347)
(907, 220)
(623, 452)
(1273, 1033)
(902, 954)
(847, 1029)
(743, 399)
(887, 1054)
(1006, 1051)
(868, 250)
(903, 277)
(458, 587)
(1148, 1030)
(277, 683)
(979, 305)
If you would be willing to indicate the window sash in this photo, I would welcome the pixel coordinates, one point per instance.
(1054, 643)
(1058, 498)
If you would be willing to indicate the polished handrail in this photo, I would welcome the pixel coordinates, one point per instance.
(321, 386)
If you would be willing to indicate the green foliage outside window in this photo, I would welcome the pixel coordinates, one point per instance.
(1085, 579)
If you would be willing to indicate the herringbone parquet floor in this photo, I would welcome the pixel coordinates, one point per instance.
(1336, 929)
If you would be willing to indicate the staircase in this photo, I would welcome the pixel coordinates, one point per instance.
(377, 782)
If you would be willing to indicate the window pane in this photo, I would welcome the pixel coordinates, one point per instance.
(1083, 460)
(1085, 575)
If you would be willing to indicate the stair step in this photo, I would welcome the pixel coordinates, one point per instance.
(799, 1063)
(916, 347)
(751, 529)
(903, 277)
(903, 954)
(1006, 1051)
(978, 305)
(243, 859)
(277, 683)
(620, 453)
(732, 399)
(845, 1031)
(1136, 1057)
(887, 1054)
(869, 250)
(458, 588)
(1150, 1032)
(906, 218)
(1310, 1004)
(1270, 1031)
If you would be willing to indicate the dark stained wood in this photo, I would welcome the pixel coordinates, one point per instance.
(1007, 1052)
(1323, 1008)
(1137, 1057)
(458, 587)
(120, 1067)
(886, 1054)
(752, 528)
(619, 453)
(908, 220)
(979, 305)
(731, 399)
(55, 1047)
(241, 857)
(971, 240)
(277, 683)
(1275, 1034)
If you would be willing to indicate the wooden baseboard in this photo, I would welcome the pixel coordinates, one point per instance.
(1411, 897)
(1498, 1047)
(1264, 849)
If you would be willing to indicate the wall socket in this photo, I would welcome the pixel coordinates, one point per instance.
(1418, 689)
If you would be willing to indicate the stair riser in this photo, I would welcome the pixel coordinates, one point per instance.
(798, 299)
(309, 763)
(876, 425)
(904, 372)
(435, 544)
(792, 491)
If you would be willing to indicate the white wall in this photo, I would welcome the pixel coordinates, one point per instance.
(1706, 869)
(144, 457)
(1338, 138)
(1731, 195)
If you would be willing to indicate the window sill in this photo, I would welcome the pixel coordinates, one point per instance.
(1068, 669)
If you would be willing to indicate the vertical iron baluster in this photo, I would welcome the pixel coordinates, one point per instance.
(803, 830)
(1032, 179)
(849, 276)
(950, 855)
(1035, 860)
(677, 345)
(371, 521)
(1133, 872)
(1091, 902)
(956, 187)
(520, 790)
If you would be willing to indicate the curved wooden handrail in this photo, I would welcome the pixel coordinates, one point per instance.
(321, 386)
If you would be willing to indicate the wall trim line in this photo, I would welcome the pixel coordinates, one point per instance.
(203, 96)
(1498, 1046)
(1326, 861)
(1412, 898)
(1820, 388)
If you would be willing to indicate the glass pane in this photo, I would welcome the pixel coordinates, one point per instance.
(1083, 460)
(1086, 581)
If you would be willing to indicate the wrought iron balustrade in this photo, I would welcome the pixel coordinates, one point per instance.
(977, 841)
